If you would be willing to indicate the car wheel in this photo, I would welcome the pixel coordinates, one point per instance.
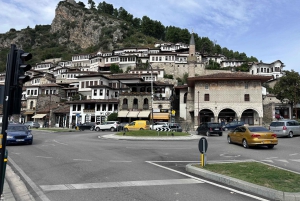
(290, 135)
(91, 129)
(112, 129)
(245, 144)
(126, 129)
(97, 129)
(141, 129)
(271, 146)
(229, 140)
(220, 134)
(207, 133)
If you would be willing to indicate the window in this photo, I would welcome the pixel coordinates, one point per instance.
(95, 92)
(79, 108)
(247, 97)
(82, 84)
(74, 108)
(206, 97)
(101, 92)
(246, 85)
(206, 86)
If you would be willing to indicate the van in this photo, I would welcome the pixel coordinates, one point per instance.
(285, 127)
(137, 125)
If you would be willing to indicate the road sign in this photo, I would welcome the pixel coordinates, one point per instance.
(202, 145)
(163, 129)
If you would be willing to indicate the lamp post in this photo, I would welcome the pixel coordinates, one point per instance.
(198, 111)
(151, 95)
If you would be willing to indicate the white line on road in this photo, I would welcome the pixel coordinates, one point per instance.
(206, 181)
(44, 157)
(118, 184)
(145, 148)
(78, 159)
(115, 161)
(59, 142)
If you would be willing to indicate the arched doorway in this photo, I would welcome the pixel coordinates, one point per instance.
(248, 116)
(228, 115)
(206, 115)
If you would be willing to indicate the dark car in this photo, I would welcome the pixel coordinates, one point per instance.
(232, 125)
(121, 126)
(86, 126)
(209, 128)
(18, 134)
(176, 127)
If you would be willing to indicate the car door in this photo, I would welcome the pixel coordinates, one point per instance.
(240, 134)
(234, 134)
(297, 128)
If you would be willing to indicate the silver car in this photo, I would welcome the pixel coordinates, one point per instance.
(32, 124)
(285, 127)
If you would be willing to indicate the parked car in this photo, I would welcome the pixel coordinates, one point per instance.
(108, 125)
(86, 126)
(137, 125)
(209, 128)
(285, 127)
(232, 125)
(176, 127)
(121, 126)
(18, 134)
(32, 124)
(158, 125)
(252, 136)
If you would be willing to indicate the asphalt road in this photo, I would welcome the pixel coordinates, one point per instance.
(80, 166)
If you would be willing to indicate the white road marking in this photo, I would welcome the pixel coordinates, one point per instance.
(118, 184)
(115, 161)
(294, 154)
(78, 159)
(206, 181)
(270, 161)
(15, 153)
(44, 157)
(296, 160)
(139, 148)
(59, 142)
(282, 160)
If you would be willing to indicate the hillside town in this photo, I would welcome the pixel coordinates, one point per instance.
(65, 93)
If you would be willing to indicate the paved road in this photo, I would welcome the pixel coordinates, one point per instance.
(80, 166)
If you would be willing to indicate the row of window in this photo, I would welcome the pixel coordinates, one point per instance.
(246, 97)
(31, 92)
(98, 107)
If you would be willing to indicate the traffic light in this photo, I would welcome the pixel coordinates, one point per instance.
(19, 78)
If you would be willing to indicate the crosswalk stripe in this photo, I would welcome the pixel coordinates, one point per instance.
(61, 187)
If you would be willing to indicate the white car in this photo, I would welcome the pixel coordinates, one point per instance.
(158, 125)
(108, 125)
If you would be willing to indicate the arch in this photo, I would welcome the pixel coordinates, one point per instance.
(228, 114)
(146, 101)
(206, 115)
(125, 101)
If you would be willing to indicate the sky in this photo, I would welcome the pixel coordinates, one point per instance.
(267, 30)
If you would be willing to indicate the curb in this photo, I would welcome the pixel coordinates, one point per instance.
(253, 188)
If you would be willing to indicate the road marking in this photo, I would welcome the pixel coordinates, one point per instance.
(271, 157)
(282, 160)
(157, 148)
(270, 161)
(296, 160)
(206, 181)
(294, 154)
(44, 157)
(78, 159)
(118, 184)
(115, 161)
(59, 142)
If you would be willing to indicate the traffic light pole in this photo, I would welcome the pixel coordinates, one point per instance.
(10, 69)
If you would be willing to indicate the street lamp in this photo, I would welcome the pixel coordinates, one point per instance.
(151, 94)
(198, 111)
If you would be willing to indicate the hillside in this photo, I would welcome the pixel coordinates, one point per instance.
(76, 29)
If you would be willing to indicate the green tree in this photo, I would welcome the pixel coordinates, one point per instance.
(92, 4)
(112, 117)
(287, 89)
(213, 65)
(114, 68)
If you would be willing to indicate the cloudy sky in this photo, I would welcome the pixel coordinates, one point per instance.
(267, 30)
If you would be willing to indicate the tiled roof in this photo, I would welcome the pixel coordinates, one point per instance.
(93, 101)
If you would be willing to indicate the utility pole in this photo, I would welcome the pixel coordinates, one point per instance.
(14, 79)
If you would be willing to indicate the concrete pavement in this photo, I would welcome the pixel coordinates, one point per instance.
(15, 189)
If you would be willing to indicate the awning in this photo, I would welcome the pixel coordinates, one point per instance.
(28, 112)
(144, 113)
(122, 113)
(161, 115)
(39, 116)
(133, 114)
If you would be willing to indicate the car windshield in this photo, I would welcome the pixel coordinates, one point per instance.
(258, 129)
(16, 128)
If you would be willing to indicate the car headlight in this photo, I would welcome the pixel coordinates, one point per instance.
(29, 136)
(9, 137)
